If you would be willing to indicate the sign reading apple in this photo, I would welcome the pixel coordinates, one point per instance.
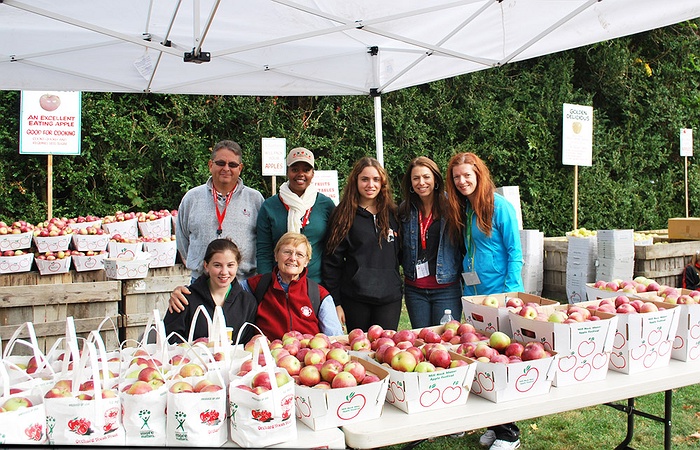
(49, 102)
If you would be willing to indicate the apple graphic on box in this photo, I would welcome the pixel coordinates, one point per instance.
(49, 102)
(343, 380)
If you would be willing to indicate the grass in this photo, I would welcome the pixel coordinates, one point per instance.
(597, 427)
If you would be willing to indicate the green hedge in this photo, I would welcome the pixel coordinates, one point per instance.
(142, 152)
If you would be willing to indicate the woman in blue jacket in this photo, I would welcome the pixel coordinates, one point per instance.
(431, 258)
(493, 260)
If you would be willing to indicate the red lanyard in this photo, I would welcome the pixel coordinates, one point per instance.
(424, 225)
(220, 215)
(305, 219)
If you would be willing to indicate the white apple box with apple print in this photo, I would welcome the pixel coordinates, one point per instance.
(413, 392)
(124, 250)
(163, 254)
(499, 382)
(156, 228)
(490, 319)
(53, 267)
(320, 409)
(127, 228)
(16, 241)
(644, 341)
(94, 242)
(88, 263)
(16, 264)
(52, 243)
(583, 347)
(124, 269)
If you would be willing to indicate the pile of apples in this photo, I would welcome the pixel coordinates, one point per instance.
(675, 297)
(125, 240)
(572, 314)
(262, 382)
(53, 227)
(87, 252)
(500, 349)
(170, 238)
(582, 233)
(152, 215)
(92, 231)
(17, 227)
(52, 256)
(83, 219)
(639, 284)
(511, 302)
(63, 388)
(13, 253)
(119, 216)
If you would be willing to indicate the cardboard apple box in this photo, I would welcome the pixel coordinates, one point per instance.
(125, 269)
(16, 264)
(156, 228)
(162, 253)
(124, 249)
(128, 228)
(644, 340)
(88, 263)
(16, 241)
(94, 242)
(52, 243)
(320, 409)
(53, 267)
(686, 345)
(583, 347)
(597, 294)
(413, 392)
(488, 318)
(499, 382)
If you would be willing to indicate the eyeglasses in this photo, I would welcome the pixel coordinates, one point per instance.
(232, 164)
(290, 253)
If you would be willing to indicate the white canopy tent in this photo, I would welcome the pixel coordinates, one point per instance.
(296, 47)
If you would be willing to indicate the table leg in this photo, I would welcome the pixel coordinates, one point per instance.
(631, 411)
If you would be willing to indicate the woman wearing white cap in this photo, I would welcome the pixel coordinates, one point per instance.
(299, 208)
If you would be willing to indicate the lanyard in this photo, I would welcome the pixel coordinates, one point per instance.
(469, 238)
(305, 219)
(220, 215)
(424, 225)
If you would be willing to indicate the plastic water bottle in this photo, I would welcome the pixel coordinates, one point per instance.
(447, 317)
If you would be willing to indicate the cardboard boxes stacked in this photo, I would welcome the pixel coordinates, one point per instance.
(580, 267)
(532, 242)
(615, 255)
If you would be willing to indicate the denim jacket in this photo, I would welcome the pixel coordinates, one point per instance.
(449, 259)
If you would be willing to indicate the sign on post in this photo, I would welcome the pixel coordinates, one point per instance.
(577, 135)
(686, 142)
(326, 182)
(50, 123)
(274, 153)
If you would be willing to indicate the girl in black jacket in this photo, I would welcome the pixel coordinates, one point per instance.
(361, 270)
(217, 287)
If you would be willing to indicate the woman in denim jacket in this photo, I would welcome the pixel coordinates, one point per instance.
(431, 258)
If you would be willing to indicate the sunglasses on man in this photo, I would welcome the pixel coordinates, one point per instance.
(232, 164)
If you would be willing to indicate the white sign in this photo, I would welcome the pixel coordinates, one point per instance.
(686, 142)
(274, 154)
(326, 181)
(577, 135)
(50, 123)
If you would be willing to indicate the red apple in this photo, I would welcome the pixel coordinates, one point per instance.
(343, 380)
(404, 361)
(309, 376)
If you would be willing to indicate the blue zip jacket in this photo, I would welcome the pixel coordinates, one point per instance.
(449, 257)
(498, 259)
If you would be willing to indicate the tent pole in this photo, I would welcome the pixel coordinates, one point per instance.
(379, 139)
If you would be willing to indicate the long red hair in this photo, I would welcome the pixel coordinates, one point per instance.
(483, 198)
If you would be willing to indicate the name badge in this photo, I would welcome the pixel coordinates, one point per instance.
(422, 270)
(470, 278)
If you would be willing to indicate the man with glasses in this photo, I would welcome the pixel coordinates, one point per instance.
(223, 207)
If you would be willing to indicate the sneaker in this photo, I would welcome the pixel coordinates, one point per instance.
(487, 439)
(457, 435)
(500, 444)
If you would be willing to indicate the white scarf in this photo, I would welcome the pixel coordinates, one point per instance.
(298, 206)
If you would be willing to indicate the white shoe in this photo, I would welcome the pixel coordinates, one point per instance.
(487, 439)
(500, 444)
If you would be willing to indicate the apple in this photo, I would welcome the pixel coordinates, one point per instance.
(291, 364)
(636, 304)
(207, 386)
(382, 341)
(62, 388)
(179, 387)
(49, 102)
(404, 335)
(370, 378)
(374, 332)
(83, 396)
(499, 341)
(453, 324)
(499, 358)
(191, 370)
(15, 403)
(403, 361)
(465, 328)
(356, 369)
(432, 337)
(389, 354)
(361, 344)
(108, 393)
(356, 333)
(314, 356)
(330, 369)
(339, 354)
(424, 366)
(142, 387)
(557, 317)
(150, 373)
(528, 312)
(320, 340)
(262, 379)
(491, 301)
(514, 302)
(417, 353)
(648, 307)
(282, 377)
(483, 350)
(440, 358)
(309, 376)
(514, 349)
(344, 380)
(532, 351)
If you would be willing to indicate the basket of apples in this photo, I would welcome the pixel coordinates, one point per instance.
(124, 247)
(88, 260)
(80, 222)
(16, 261)
(509, 370)
(22, 414)
(155, 223)
(51, 263)
(687, 342)
(425, 378)
(490, 312)
(16, 236)
(90, 238)
(121, 223)
(52, 235)
(163, 250)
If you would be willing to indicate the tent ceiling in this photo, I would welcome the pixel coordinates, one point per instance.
(296, 47)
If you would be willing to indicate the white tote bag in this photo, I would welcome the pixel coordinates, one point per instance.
(24, 419)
